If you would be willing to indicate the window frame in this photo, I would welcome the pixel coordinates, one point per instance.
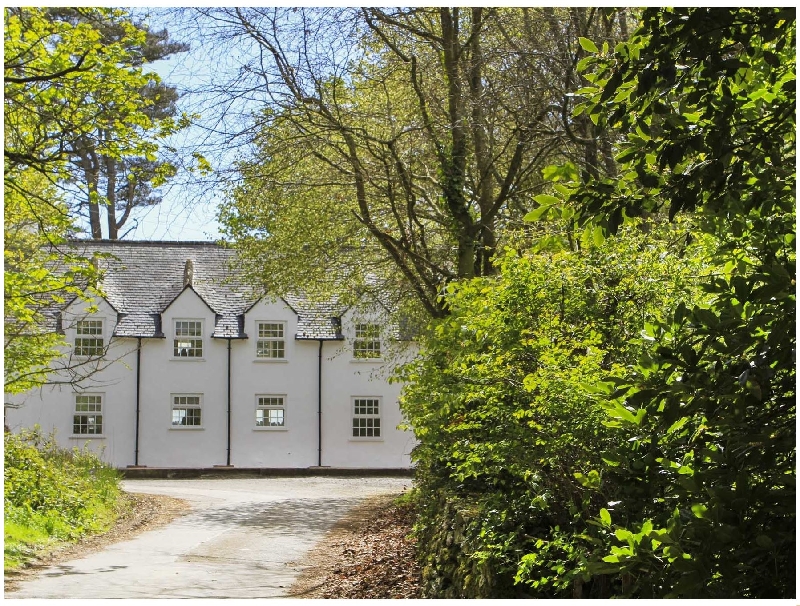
(259, 340)
(97, 350)
(368, 342)
(355, 415)
(192, 338)
(88, 413)
(185, 406)
(270, 407)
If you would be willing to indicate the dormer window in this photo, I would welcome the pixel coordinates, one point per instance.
(271, 341)
(89, 338)
(367, 343)
(188, 341)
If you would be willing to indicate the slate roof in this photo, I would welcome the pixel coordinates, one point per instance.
(141, 279)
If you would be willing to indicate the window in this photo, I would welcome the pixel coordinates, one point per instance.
(270, 343)
(89, 339)
(270, 411)
(186, 410)
(88, 417)
(366, 418)
(367, 343)
(188, 339)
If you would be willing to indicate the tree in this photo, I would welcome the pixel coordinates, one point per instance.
(423, 131)
(35, 239)
(61, 83)
(128, 181)
(75, 90)
(707, 100)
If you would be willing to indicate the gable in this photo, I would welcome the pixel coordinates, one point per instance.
(95, 308)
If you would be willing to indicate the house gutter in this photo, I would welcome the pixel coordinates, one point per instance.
(138, 398)
(319, 406)
(228, 460)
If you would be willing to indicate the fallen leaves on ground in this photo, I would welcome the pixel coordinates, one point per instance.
(370, 554)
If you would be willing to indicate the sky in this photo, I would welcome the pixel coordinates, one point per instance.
(189, 207)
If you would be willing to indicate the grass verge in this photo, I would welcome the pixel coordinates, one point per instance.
(52, 496)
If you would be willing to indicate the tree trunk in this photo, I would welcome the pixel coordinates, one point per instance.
(111, 195)
(483, 159)
(91, 171)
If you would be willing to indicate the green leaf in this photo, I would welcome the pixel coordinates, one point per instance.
(587, 45)
(546, 200)
(605, 517)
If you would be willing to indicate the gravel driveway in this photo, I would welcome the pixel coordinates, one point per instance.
(242, 539)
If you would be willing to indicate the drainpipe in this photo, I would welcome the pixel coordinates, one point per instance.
(138, 400)
(319, 408)
(228, 461)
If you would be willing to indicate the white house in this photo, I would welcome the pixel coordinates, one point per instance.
(194, 370)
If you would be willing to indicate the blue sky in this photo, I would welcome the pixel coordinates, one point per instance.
(189, 207)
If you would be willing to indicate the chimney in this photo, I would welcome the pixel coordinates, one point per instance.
(188, 273)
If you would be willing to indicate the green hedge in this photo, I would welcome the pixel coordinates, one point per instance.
(52, 494)
(510, 424)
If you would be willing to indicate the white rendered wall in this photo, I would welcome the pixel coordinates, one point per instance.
(294, 378)
(345, 377)
(52, 406)
(163, 375)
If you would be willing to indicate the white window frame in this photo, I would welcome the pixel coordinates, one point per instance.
(187, 339)
(277, 404)
(88, 413)
(267, 346)
(361, 415)
(89, 344)
(367, 341)
(177, 405)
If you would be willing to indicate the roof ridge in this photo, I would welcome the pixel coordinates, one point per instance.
(218, 244)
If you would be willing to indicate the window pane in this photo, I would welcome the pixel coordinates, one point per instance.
(270, 349)
(188, 348)
(88, 346)
(270, 343)
(89, 327)
(87, 424)
(188, 328)
(366, 419)
(270, 330)
(367, 343)
(186, 416)
(269, 417)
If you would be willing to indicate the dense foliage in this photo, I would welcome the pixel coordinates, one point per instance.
(502, 402)
(709, 99)
(34, 238)
(52, 494)
(579, 453)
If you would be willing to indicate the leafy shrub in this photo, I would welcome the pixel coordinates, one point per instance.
(503, 402)
(52, 493)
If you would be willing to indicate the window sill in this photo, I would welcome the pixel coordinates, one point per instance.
(87, 437)
(270, 429)
(366, 360)
(271, 361)
(187, 428)
(365, 440)
(174, 359)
